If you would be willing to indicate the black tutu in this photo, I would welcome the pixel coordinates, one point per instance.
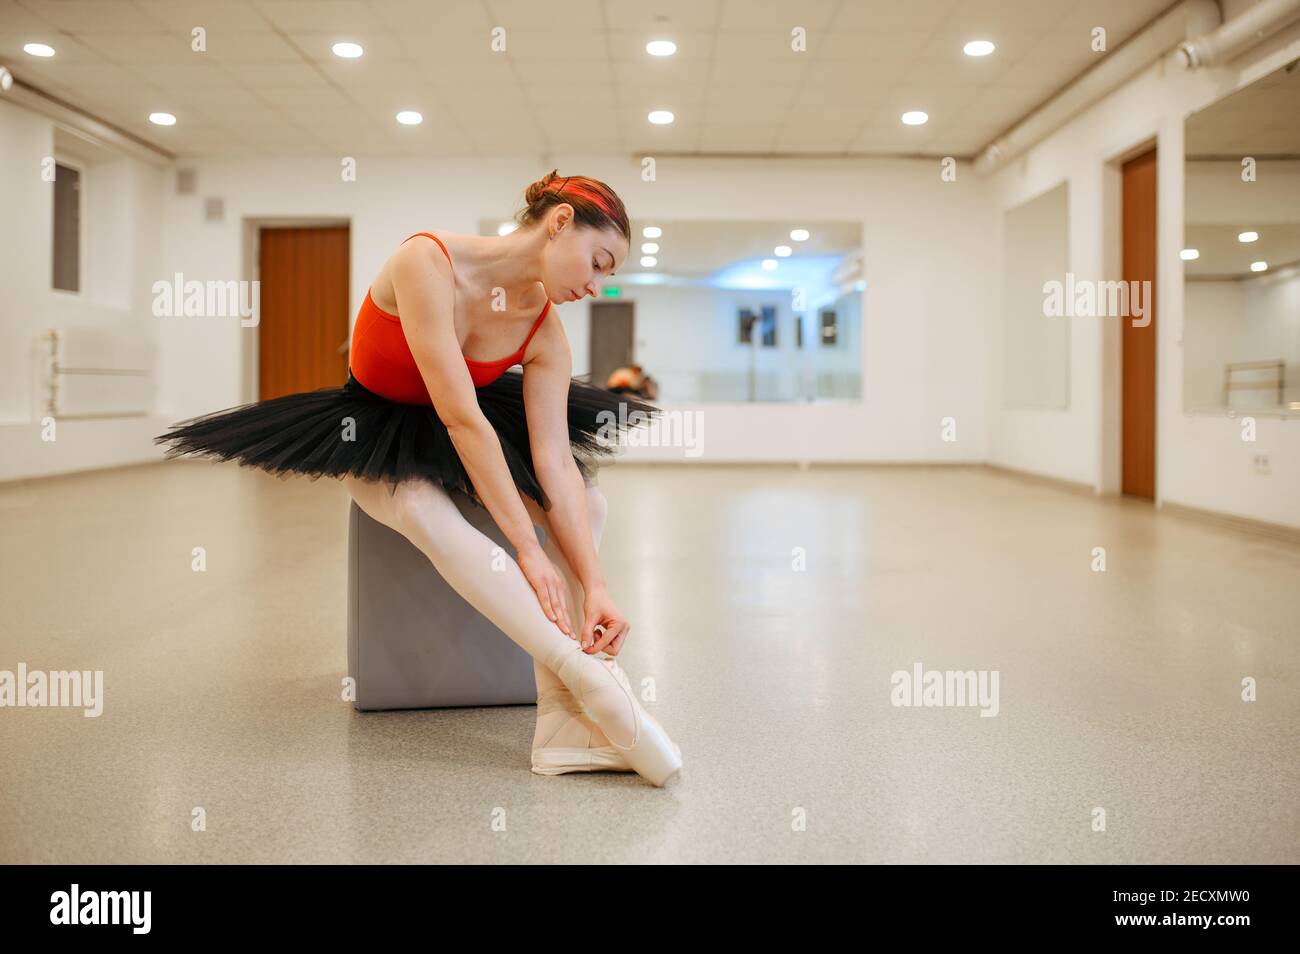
(350, 430)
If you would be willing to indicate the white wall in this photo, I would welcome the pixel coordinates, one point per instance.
(119, 252)
(1201, 460)
(924, 348)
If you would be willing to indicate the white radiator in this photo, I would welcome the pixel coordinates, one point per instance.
(91, 373)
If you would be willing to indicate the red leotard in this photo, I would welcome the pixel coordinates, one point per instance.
(382, 362)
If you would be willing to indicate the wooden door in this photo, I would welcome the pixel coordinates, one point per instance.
(1138, 376)
(304, 309)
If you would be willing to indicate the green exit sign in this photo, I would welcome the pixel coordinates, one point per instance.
(611, 291)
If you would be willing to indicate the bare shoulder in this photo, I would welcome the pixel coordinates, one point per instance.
(549, 348)
(415, 260)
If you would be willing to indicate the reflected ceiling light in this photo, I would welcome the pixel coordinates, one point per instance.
(505, 228)
(1248, 237)
(649, 261)
(915, 117)
(799, 235)
(1189, 254)
(349, 51)
(409, 117)
(38, 49)
(6, 79)
(978, 48)
(162, 119)
(652, 231)
(649, 248)
(769, 264)
(660, 117)
(1259, 266)
(781, 251)
(661, 47)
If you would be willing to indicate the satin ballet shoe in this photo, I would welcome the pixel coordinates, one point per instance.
(651, 754)
(569, 747)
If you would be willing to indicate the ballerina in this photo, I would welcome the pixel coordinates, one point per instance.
(418, 418)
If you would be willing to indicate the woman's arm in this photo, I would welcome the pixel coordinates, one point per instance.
(423, 287)
(546, 401)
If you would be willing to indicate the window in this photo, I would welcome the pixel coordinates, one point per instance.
(67, 228)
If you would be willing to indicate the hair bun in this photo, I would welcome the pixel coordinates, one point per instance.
(536, 190)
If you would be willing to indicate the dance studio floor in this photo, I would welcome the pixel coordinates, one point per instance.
(1118, 691)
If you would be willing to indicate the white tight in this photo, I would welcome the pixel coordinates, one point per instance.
(425, 514)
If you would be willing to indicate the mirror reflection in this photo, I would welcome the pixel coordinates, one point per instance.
(1241, 251)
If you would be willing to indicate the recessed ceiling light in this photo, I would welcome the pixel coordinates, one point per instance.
(799, 235)
(781, 251)
(1259, 266)
(1189, 254)
(162, 119)
(978, 48)
(660, 117)
(505, 228)
(649, 248)
(769, 264)
(661, 47)
(6, 79)
(1248, 237)
(648, 261)
(349, 51)
(652, 231)
(38, 49)
(915, 117)
(409, 117)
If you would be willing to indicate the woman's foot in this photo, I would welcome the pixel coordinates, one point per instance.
(599, 685)
(566, 740)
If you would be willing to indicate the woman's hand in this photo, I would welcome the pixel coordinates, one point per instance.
(548, 584)
(599, 610)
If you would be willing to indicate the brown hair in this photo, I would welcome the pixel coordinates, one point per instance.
(594, 203)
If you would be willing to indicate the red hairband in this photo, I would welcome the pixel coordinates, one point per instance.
(580, 190)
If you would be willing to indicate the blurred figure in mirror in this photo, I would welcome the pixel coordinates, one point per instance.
(632, 379)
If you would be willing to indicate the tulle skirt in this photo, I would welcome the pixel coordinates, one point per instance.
(351, 430)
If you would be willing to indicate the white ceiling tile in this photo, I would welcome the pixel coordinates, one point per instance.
(249, 47)
(556, 45)
(141, 48)
(424, 17)
(319, 15)
(227, 16)
(83, 17)
(567, 71)
(776, 16)
(667, 17)
(886, 16)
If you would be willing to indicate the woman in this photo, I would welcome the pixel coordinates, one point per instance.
(419, 417)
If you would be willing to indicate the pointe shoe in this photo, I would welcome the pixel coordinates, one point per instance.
(560, 759)
(652, 754)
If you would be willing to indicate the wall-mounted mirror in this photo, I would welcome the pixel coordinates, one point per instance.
(762, 311)
(1241, 251)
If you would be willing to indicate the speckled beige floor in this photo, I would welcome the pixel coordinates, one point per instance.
(1118, 690)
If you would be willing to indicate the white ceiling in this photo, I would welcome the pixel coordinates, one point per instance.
(1261, 120)
(575, 76)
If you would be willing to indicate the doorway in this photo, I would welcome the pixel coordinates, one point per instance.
(302, 332)
(1138, 344)
(612, 336)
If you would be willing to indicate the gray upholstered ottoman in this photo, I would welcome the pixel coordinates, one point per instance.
(413, 641)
